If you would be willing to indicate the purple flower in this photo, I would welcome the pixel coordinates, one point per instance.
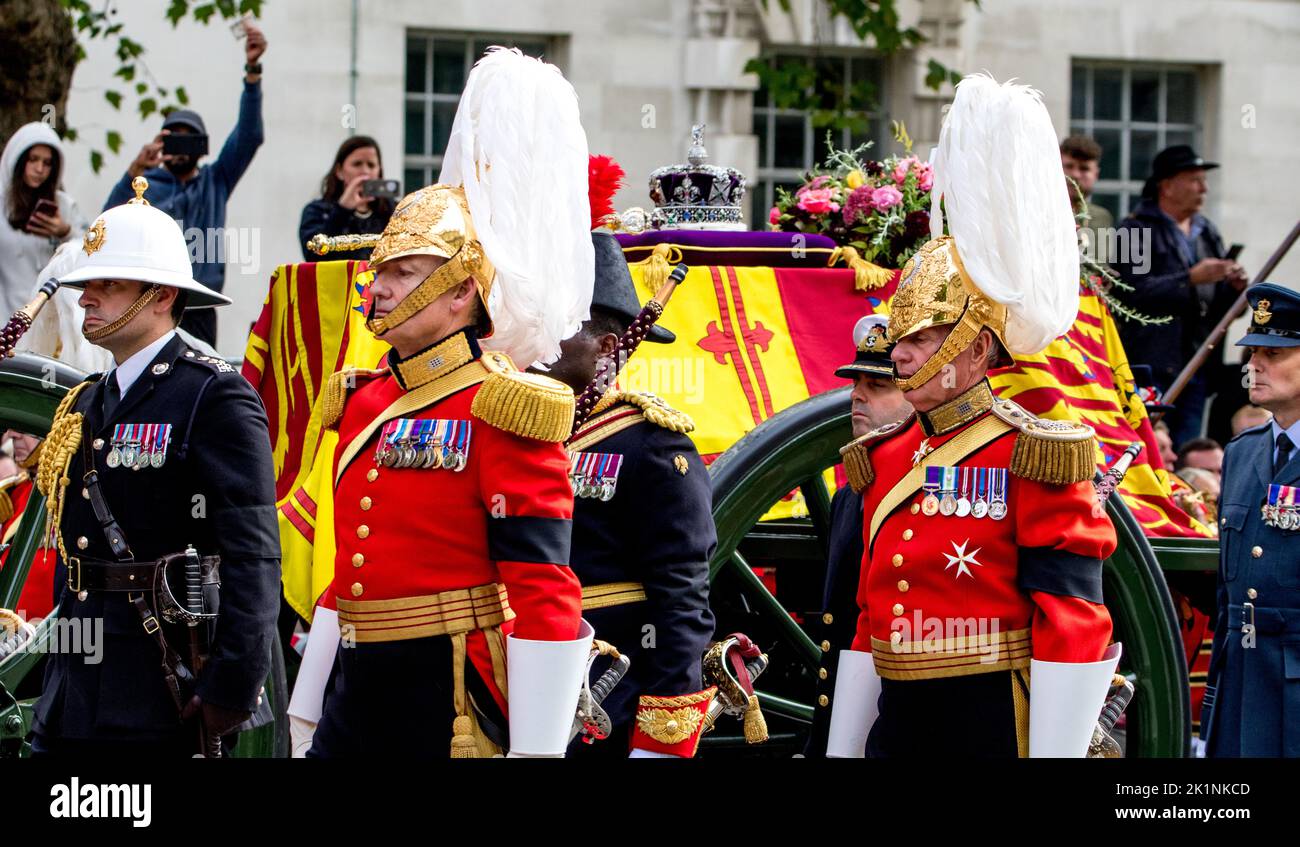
(916, 224)
(858, 205)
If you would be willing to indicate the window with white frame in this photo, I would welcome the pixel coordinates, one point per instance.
(436, 68)
(1133, 111)
(789, 142)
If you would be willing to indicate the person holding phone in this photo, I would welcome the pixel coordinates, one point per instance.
(345, 206)
(37, 215)
(195, 195)
(1175, 260)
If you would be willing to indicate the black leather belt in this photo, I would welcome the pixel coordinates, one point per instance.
(101, 575)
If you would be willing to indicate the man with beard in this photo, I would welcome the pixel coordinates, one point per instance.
(877, 402)
(158, 479)
(196, 195)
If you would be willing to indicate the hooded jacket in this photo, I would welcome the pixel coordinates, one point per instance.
(22, 254)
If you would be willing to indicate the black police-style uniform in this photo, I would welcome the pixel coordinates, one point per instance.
(838, 623)
(657, 530)
(1252, 695)
(215, 491)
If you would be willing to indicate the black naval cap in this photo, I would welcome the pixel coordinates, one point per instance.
(872, 358)
(1275, 316)
(614, 291)
(1144, 385)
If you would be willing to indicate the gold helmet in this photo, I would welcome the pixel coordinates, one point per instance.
(1011, 261)
(935, 290)
(434, 221)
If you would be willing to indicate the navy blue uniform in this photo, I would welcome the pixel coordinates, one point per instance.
(214, 490)
(835, 629)
(655, 532)
(1253, 692)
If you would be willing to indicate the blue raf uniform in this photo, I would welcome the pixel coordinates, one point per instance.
(1253, 692)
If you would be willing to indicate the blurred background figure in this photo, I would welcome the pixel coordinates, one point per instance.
(196, 195)
(1166, 444)
(1248, 416)
(1177, 265)
(22, 453)
(343, 207)
(1081, 161)
(37, 214)
(1203, 453)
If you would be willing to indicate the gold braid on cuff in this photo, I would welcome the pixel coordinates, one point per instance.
(134, 309)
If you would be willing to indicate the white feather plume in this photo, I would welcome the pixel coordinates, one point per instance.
(518, 147)
(998, 170)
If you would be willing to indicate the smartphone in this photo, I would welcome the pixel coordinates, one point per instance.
(389, 189)
(237, 29)
(44, 207)
(185, 144)
(1234, 251)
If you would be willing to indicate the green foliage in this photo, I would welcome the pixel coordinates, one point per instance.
(795, 84)
(92, 23)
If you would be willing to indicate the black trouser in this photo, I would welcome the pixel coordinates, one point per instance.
(396, 698)
(181, 746)
(956, 717)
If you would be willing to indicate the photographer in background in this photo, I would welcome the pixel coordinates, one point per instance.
(344, 207)
(195, 195)
(36, 216)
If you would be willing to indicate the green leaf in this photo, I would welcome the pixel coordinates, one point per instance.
(181, 96)
(176, 11)
(227, 8)
(205, 12)
(141, 88)
(147, 107)
(114, 98)
(114, 140)
(96, 161)
(126, 72)
(70, 134)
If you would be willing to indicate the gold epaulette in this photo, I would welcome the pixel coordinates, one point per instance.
(335, 395)
(857, 464)
(1048, 451)
(6, 502)
(528, 405)
(653, 409)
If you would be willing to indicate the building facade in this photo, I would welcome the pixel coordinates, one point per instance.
(1137, 76)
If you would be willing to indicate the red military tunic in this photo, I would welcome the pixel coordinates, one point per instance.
(37, 597)
(1030, 582)
(404, 533)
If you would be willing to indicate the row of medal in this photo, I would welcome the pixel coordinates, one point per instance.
(137, 446)
(424, 443)
(1282, 511)
(594, 475)
(977, 492)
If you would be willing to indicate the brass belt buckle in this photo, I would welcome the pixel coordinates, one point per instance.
(1248, 628)
(74, 567)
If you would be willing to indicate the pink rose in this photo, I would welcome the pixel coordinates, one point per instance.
(819, 201)
(886, 197)
(924, 175)
(901, 168)
(774, 216)
(815, 184)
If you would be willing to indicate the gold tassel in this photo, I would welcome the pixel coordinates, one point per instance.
(334, 397)
(463, 745)
(755, 723)
(528, 405)
(1054, 462)
(857, 465)
(655, 269)
(866, 275)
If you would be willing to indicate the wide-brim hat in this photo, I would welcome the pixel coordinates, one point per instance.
(614, 290)
(1275, 316)
(1172, 161)
(135, 241)
(870, 337)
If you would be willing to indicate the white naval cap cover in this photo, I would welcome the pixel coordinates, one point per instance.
(138, 242)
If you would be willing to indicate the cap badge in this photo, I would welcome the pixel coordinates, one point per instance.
(1262, 314)
(94, 238)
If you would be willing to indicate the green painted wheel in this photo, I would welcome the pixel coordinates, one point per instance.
(30, 390)
(792, 450)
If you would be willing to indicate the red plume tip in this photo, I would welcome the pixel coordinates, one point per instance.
(604, 179)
